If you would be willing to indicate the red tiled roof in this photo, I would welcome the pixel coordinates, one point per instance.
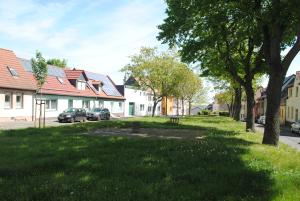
(24, 81)
(73, 74)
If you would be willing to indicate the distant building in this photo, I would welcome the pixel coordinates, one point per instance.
(293, 100)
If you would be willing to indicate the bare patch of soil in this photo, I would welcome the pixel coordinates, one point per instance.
(149, 133)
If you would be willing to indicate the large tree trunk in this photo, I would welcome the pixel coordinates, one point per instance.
(250, 123)
(154, 108)
(237, 103)
(272, 127)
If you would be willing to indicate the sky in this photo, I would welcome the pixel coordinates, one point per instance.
(97, 35)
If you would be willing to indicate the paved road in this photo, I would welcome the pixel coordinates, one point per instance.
(286, 136)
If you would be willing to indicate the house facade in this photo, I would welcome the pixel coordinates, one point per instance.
(138, 102)
(64, 88)
(16, 88)
(293, 100)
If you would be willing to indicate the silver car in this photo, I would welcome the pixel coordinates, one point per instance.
(262, 120)
(295, 127)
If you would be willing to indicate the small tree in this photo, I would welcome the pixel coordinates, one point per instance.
(40, 71)
(155, 72)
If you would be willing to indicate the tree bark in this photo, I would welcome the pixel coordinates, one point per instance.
(250, 123)
(154, 107)
(272, 127)
(237, 103)
(190, 107)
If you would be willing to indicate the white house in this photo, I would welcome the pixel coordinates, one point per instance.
(138, 102)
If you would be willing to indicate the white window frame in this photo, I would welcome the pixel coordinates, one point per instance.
(142, 107)
(21, 105)
(84, 105)
(50, 105)
(10, 106)
(81, 85)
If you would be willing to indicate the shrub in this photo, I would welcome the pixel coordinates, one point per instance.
(226, 114)
(205, 112)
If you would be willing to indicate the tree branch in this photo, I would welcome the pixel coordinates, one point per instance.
(293, 51)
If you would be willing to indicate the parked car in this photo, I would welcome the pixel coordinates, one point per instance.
(262, 120)
(72, 115)
(295, 127)
(98, 114)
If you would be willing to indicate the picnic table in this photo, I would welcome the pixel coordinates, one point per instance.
(174, 120)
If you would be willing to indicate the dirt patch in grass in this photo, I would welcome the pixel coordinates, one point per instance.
(149, 133)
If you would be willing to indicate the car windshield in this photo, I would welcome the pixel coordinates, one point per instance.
(97, 110)
(70, 110)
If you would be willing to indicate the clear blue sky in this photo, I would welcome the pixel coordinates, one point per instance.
(96, 35)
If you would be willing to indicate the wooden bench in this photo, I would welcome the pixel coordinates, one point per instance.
(174, 120)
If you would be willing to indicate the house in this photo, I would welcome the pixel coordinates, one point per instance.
(17, 88)
(293, 100)
(138, 102)
(261, 100)
(63, 88)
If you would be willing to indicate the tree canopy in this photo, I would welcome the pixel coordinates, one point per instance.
(39, 68)
(57, 62)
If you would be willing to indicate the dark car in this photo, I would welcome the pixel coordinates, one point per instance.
(72, 115)
(98, 114)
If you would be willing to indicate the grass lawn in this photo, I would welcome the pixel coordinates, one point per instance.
(61, 163)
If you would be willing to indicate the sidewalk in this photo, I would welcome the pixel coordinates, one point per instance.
(286, 136)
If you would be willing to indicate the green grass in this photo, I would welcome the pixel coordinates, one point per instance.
(60, 163)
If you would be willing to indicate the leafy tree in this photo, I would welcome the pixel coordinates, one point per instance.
(207, 31)
(225, 97)
(279, 23)
(153, 71)
(57, 62)
(39, 68)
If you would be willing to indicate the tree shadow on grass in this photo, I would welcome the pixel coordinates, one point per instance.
(53, 166)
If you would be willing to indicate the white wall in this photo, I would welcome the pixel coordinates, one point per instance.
(139, 97)
(24, 113)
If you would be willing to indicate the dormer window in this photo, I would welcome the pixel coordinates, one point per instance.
(60, 80)
(13, 71)
(81, 85)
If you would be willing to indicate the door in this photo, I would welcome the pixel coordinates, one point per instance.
(131, 109)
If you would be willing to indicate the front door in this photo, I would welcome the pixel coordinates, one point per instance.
(131, 109)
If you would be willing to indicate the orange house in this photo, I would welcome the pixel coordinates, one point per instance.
(167, 104)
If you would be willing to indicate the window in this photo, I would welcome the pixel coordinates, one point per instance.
(19, 101)
(8, 101)
(149, 98)
(140, 93)
(101, 103)
(296, 115)
(158, 108)
(288, 112)
(81, 85)
(142, 107)
(292, 112)
(296, 91)
(86, 104)
(60, 80)
(70, 103)
(51, 104)
(13, 72)
(149, 108)
(120, 106)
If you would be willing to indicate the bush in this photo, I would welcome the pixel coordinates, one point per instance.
(205, 112)
(226, 114)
